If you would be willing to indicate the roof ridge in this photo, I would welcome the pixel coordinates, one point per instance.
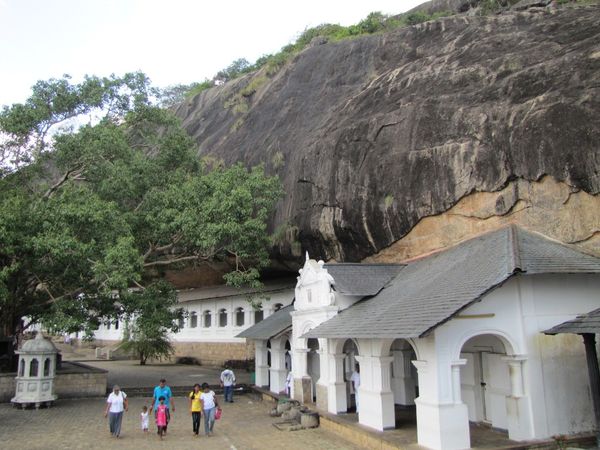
(514, 250)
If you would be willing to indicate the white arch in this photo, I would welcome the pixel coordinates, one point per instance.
(510, 345)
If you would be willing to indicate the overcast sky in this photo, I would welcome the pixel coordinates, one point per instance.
(172, 41)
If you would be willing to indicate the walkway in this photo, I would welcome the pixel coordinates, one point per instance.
(79, 424)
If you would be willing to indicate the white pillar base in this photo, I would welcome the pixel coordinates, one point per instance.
(518, 415)
(443, 426)
(336, 398)
(261, 376)
(376, 409)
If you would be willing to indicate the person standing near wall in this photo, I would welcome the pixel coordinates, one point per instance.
(195, 408)
(228, 382)
(115, 405)
(162, 390)
(355, 378)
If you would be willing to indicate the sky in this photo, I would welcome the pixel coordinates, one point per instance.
(172, 41)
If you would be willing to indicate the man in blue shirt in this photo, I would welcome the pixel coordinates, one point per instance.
(162, 390)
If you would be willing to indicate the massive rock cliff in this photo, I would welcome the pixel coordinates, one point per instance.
(383, 141)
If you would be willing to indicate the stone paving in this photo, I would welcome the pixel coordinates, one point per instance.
(129, 373)
(80, 424)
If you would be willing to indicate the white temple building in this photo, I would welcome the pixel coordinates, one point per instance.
(457, 334)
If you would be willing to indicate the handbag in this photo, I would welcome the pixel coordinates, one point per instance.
(218, 414)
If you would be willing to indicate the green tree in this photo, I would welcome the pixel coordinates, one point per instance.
(98, 209)
(152, 314)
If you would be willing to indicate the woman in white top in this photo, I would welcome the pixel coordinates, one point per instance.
(210, 405)
(115, 405)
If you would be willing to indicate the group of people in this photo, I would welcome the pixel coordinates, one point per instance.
(202, 401)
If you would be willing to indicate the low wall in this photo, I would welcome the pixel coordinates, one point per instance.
(207, 353)
(73, 380)
(215, 353)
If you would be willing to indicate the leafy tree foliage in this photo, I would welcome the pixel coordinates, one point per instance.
(87, 214)
(152, 313)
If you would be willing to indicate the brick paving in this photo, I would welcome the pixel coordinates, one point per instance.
(80, 424)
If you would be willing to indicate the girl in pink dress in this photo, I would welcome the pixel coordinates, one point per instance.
(162, 417)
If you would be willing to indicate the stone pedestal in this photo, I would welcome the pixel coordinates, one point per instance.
(303, 390)
(443, 426)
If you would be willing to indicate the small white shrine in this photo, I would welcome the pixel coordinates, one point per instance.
(37, 368)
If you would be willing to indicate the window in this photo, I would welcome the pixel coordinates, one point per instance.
(33, 368)
(47, 367)
(108, 325)
(117, 324)
(193, 320)
(258, 315)
(223, 317)
(239, 317)
(181, 323)
(207, 319)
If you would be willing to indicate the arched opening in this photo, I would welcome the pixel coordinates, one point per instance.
(116, 324)
(350, 351)
(181, 323)
(404, 382)
(22, 367)
(485, 380)
(269, 361)
(222, 317)
(239, 317)
(313, 365)
(288, 355)
(47, 367)
(258, 315)
(33, 367)
(207, 319)
(193, 319)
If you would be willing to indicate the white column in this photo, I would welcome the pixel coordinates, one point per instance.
(322, 384)
(456, 385)
(261, 366)
(336, 391)
(518, 404)
(376, 400)
(277, 370)
(442, 419)
(403, 384)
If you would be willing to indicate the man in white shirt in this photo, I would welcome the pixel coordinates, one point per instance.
(115, 404)
(228, 382)
(355, 378)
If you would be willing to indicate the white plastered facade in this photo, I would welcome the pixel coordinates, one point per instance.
(489, 363)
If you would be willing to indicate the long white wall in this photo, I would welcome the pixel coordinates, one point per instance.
(215, 332)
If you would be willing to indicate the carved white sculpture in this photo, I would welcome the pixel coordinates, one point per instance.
(35, 376)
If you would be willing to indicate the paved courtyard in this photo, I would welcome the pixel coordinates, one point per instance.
(129, 373)
(80, 424)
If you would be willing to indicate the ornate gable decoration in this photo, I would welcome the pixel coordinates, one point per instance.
(313, 289)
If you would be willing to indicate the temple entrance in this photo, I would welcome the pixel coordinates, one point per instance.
(485, 380)
(350, 351)
(313, 365)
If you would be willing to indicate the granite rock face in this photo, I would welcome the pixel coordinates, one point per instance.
(372, 135)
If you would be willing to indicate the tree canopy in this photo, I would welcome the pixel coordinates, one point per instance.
(90, 214)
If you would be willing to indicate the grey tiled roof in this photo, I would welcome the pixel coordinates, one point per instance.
(586, 323)
(429, 291)
(362, 279)
(270, 326)
(222, 290)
